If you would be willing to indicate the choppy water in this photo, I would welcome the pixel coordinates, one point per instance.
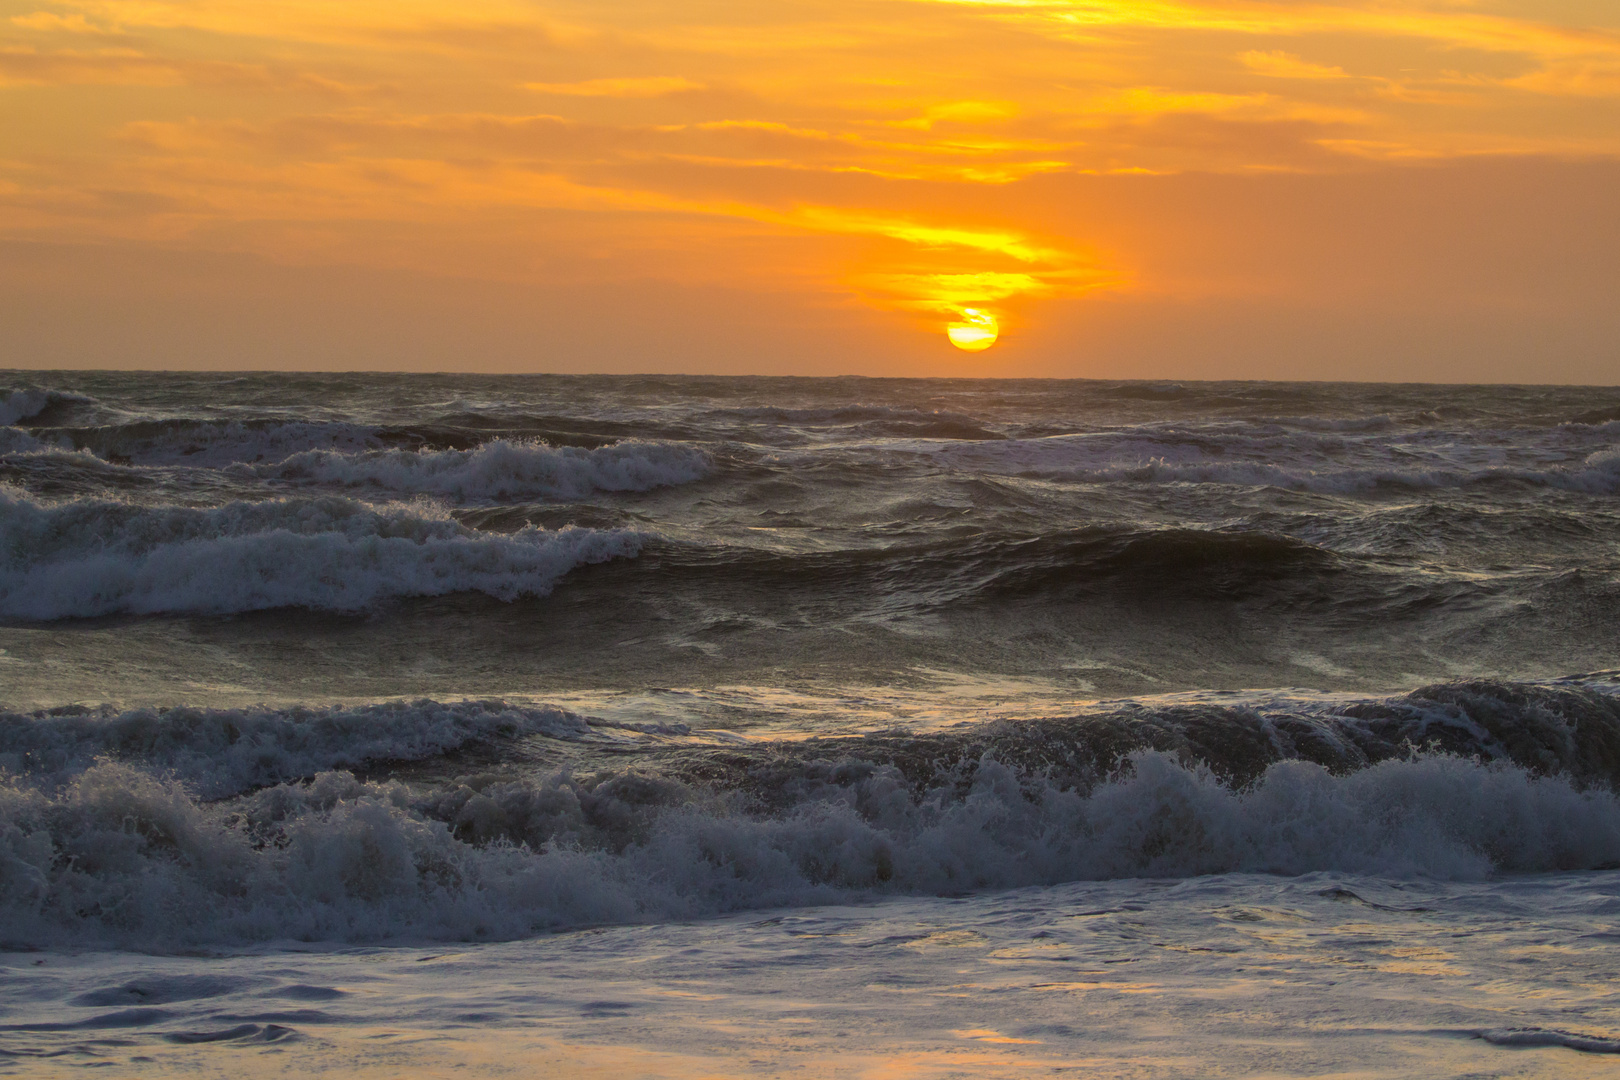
(348, 659)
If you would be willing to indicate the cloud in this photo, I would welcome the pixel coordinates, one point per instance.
(1281, 65)
(646, 87)
(50, 22)
(960, 112)
(1528, 34)
(885, 151)
(1573, 78)
(28, 65)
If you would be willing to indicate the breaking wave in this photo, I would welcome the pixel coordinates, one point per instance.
(20, 405)
(222, 752)
(170, 828)
(13, 441)
(500, 469)
(88, 557)
(121, 856)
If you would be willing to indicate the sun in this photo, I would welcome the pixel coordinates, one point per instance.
(975, 332)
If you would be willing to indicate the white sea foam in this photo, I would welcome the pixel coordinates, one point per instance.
(20, 405)
(13, 441)
(501, 469)
(120, 855)
(1599, 474)
(95, 557)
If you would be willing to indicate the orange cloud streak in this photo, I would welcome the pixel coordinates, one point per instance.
(879, 153)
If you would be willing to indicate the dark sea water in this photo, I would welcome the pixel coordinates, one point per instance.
(346, 659)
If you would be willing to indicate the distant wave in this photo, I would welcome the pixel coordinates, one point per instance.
(1598, 417)
(1289, 462)
(869, 420)
(1355, 424)
(219, 443)
(1599, 474)
(20, 405)
(500, 469)
(91, 557)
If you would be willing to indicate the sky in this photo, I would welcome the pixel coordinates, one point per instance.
(1409, 190)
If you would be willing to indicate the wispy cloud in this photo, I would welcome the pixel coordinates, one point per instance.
(907, 147)
(643, 87)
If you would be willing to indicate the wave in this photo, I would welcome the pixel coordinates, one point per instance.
(88, 557)
(46, 470)
(203, 443)
(1141, 391)
(120, 856)
(222, 752)
(1232, 395)
(1055, 567)
(1569, 728)
(1422, 528)
(1543, 1037)
(1107, 460)
(20, 405)
(1597, 417)
(880, 421)
(13, 441)
(142, 852)
(1354, 424)
(500, 469)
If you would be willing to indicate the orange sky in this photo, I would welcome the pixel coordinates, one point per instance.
(1186, 188)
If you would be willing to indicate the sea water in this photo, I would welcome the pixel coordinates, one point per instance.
(667, 726)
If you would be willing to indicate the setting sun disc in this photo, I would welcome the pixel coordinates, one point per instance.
(977, 330)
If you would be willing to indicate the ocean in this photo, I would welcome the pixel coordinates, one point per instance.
(679, 726)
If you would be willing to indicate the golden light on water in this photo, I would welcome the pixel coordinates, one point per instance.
(976, 331)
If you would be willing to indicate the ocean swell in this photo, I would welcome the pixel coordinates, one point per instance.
(1057, 567)
(1331, 465)
(214, 443)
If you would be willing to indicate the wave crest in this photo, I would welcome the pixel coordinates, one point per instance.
(221, 752)
(85, 558)
(120, 856)
(20, 405)
(500, 469)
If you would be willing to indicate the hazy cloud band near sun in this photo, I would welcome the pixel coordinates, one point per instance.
(908, 164)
